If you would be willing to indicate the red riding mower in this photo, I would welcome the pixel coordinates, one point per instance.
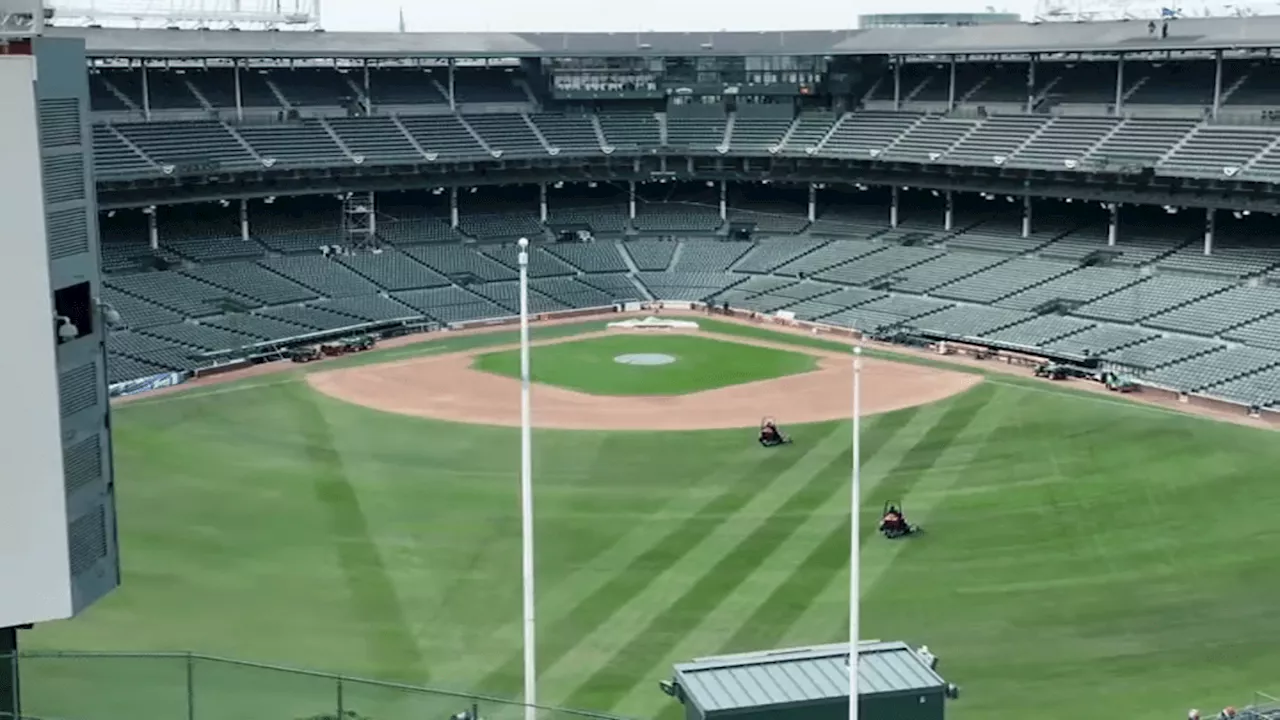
(770, 435)
(893, 522)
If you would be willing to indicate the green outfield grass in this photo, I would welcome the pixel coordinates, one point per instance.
(700, 364)
(1084, 557)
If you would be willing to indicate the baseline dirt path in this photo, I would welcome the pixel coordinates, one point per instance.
(445, 387)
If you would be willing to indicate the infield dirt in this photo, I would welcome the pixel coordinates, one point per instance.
(446, 387)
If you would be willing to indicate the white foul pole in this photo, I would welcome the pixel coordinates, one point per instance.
(855, 529)
(526, 495)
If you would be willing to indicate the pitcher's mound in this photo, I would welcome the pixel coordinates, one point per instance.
(644, 359)
(445, 387)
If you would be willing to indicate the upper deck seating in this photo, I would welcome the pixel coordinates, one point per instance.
(930, 139)
(392, 87)
(189, 143)
(695, 132)
(1142, 141)
(313, 86)
(487, 85)
(1213, 151)
(376, 139)
(304, 143)
(569, 134)
(995, 139)
(630, 129)
(758, 134)
(860, 134)
(811, 128)
(1177, 83)
(445, 136)
(112, 157)
(1084, 82)
(1064, 139)
(509, 134)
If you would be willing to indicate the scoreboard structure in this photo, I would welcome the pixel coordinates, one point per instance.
(58, 550)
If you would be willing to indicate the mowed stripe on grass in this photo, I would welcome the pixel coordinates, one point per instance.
(679, 556)
(766, 605)
(644, 644)
(580, 600)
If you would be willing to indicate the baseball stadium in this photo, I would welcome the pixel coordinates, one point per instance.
(1055, 245)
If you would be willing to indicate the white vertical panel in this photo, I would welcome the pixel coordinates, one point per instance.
(34, 566)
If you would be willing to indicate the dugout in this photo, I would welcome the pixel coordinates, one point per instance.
(812, 683)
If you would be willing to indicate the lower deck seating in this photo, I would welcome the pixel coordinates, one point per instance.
(174, 318)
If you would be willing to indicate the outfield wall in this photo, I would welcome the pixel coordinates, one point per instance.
(970, 348)
(977, 349)
(228, 361)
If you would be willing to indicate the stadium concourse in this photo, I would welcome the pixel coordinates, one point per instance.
(1180, 301)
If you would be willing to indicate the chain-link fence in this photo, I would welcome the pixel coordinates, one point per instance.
(179, 686)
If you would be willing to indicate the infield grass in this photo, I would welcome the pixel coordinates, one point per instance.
(589, 365)
(1084, 557)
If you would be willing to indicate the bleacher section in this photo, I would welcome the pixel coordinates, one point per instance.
(174, 316)
(648, 255)
(1153, 302)
(239, 117)
(1150, 297)
(602, 257)
(1081, 286)
(1003, 280)
(1174, 147)
(1100, 340)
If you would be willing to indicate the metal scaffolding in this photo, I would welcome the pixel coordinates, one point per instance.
(359, 220)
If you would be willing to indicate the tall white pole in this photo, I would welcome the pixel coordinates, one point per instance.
(855, 542)
(526, 495)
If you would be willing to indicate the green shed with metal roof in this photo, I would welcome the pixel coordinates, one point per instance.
(896, 682)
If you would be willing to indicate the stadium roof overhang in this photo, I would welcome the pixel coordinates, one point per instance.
(1022, 38)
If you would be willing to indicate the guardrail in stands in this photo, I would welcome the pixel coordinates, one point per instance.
(189, 686)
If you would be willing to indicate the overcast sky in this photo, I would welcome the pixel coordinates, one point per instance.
(660, 15)
(665, 15)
